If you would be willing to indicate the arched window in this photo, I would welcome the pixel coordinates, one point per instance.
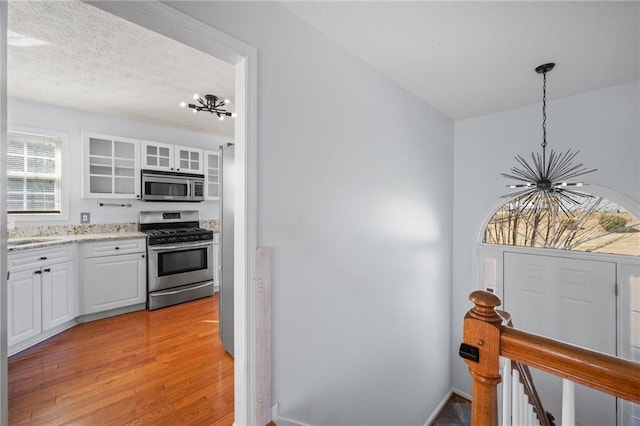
(589, 223)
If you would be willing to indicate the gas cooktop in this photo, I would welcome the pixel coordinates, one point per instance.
(172, 227)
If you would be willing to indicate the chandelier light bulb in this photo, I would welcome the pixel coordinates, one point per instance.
(227, 100)
(233, 115)
(196, 97)
(183, 104)
(221, 117)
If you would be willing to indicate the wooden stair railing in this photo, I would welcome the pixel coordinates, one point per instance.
(485, 339)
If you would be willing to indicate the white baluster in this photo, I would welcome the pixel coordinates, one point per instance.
(506, 392)
(520, 404)
(530, 420)
(515, 398)
(568, 403)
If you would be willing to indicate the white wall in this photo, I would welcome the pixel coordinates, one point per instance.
(355, 198)
(602, 125)
(40, 116)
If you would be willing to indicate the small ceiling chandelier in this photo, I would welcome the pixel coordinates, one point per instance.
(210, 103)
(545, 182)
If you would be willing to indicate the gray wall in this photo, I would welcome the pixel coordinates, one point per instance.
(355, 198)
(602, 125)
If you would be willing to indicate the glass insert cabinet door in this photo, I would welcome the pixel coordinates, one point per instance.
(111, 165)
(157, 155)
(188, 159)
(212, 174)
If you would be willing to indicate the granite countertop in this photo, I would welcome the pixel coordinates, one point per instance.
(18, 244)
(29, 237)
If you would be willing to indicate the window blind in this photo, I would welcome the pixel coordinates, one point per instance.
(33, 173)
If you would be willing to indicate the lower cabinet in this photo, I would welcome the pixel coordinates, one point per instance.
(114, 275)
(24, 312)
(41, 294)
(59, 295)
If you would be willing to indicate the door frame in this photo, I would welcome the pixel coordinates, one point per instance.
(487, 261)
(4, 388)
(165, 20)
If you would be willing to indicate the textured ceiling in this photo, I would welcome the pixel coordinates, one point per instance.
(95, 61)
(464, 58)
(473, 58)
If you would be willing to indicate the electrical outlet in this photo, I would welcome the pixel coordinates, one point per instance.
(85, 217)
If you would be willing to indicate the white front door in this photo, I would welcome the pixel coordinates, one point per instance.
(572, 300)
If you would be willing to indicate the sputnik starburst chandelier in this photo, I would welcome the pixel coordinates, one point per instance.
(210, 103)
(545, 182)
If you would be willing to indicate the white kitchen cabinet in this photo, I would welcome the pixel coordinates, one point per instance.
(212, 175)
(59, 295)
(216, 262)
(114, 274)
(157, 155)
(171, 158)
(42, 292)
(24, 306)
(111, 166)
(188, 160)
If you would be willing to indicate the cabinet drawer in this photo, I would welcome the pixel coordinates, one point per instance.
(34, 258)
(113, 247)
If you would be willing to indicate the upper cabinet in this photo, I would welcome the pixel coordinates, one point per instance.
(171, 158)
(156, 155)
(188, 160)
(111, 166)
(212, 175)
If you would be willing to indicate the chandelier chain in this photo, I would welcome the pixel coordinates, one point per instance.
(544, 184)
(544, 110)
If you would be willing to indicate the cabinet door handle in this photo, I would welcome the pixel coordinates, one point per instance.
(143, 256)
(37, 272)
(43, 258)
(117, 248)
(8, 275)
(47, 270)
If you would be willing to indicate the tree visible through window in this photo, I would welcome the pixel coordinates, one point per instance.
(591, 224)
(33, 173)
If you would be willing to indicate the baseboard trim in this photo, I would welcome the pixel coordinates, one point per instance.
(26, 344)
(440, 406)
(462, 394)
(111, 312)
(283, 421)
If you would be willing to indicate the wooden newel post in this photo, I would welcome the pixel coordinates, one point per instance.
(481, 352)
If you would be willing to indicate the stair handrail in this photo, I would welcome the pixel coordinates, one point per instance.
(545, 418)
(485, 339)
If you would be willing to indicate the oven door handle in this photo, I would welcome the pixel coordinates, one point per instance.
(186, 246)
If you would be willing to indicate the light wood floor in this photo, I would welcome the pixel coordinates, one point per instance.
(163, 367)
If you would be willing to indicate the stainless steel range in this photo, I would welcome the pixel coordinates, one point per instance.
(179, 257)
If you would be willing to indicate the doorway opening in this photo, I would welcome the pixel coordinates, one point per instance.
(173, 24)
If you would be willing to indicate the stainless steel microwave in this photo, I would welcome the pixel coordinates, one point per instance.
(172, 186)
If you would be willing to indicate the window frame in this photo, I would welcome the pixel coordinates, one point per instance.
(591, 213)
(63, 215)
